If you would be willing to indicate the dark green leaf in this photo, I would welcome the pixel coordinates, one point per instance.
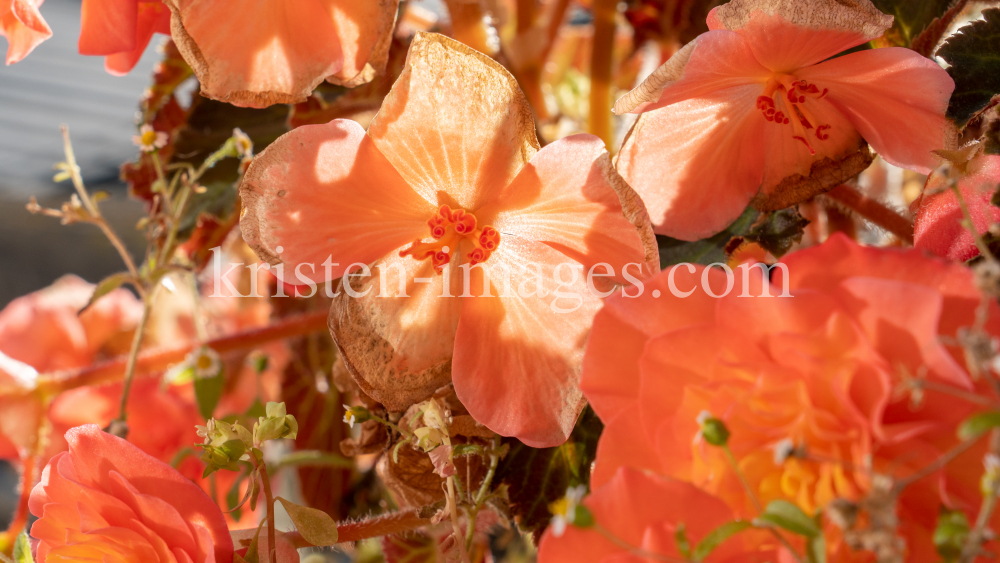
(539, 476)
(978, 424)
(778, 232)
(950, 534)
(208, 391)
(974, 55)
(716, 537)
(788, 516)
(22, 549)
(911, 17)
(315, 526)
(705, 251)
(106, 286)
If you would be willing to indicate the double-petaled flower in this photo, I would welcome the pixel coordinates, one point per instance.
(449, 187)
(761, 110)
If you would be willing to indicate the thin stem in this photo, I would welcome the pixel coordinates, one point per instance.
(600, 69)
(394, 523)
(155, 361)
(133, 354)
(404, 433)
(484, 489)
(158, 166)
(638, 552)
(984, 250)
(874, 211)
(456, 528)
(974, 541)
(265, 483)
(949, 390)
(936, 465)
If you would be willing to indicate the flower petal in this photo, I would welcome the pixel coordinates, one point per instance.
(23, 26)
(154, 17)
(325, 192)
(455, 123)
(697, 164)
(517, 355)
(862, 85)
(278, 52)
(938, 224)
(566, 197)
(108, 26)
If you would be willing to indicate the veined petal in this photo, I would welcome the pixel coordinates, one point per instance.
(325, 192)
(566, 198)
(696, 164)
(862, 85)
(108, 26)
(788, 34)
(278, 52)
(517, 356)
(399, 348)
(154, 17)
(23, 26)
(455, 124)
(714, 61)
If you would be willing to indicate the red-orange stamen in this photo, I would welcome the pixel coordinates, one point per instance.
(448, 229)
(794, 96)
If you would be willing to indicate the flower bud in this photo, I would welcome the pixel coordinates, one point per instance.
(428, 438)
(712, 429)
(275, 425)
(354, 415)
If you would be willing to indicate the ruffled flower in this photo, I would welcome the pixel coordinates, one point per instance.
(23, 26)
(120, 30)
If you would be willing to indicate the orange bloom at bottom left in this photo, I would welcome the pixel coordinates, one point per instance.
(106, 500)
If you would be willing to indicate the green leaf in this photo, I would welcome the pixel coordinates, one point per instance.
(788, 516)
(716, 537)
(974, 57)
(22, 549)
(252, 556)
(705, 251)
(536, 477)
(208, 391)
(816, 549)
(911, 17)
(315, 526)
(978, 424)
(778, 232)
(682, 541)
(106, 286)
(951, 533)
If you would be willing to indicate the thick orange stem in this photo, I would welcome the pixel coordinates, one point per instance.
(874, 211)
(600, 69)
(468, 24)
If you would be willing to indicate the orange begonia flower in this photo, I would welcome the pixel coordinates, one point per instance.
(938, 224)
(757, 104)
(828, 370)
(23, 26)
(277, 52)
(106, 500)
(647, 513)
(120, 30)
(452, 160)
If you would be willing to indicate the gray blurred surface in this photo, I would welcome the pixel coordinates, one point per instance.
(52, 86)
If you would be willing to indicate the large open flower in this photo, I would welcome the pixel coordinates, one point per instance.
(276, 52)
(449, 176)
(106, 500)
(120, 30)
(758, 107)
(23, 26)
(828, 371)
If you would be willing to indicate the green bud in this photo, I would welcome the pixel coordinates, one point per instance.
(355, 415)
(714, 431)
(951, 533)
(275, 410)
(277, 424)
(581, 517)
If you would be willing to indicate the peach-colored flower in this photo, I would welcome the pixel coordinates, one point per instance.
(647, 512)
(826, 369)
(938, 225)
(751, 107)
(106, 500)
(278, 52)
(121, 30)
(449, 173)
(23, 26)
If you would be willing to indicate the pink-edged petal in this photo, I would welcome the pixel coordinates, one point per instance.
(108, 26)
(154, 17)
(455, 124)
(325, 192)
(697, 164)
(517, 356)
(713, 61)
(862, 85)
(398, 348)
(566, 197)
(278, 52)
(23, 26)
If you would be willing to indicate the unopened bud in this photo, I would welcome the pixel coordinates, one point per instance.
(713, 429)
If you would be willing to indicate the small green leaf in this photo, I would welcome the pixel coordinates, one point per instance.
(315, 526)
(950, 534)
(784, 514)
(106, 286)
(254, 489)
(975, 66)
(816, 549)
(22, 549)
(682, 541)
(716, 537)
(978, 424)
(208, 391)
(252, 556)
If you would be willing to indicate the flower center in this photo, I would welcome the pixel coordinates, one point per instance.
(149, 137)
(783, 103)
(448, 229)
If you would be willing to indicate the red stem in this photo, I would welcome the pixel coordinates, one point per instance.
(395, 523)
(155, 361)
(874, 211)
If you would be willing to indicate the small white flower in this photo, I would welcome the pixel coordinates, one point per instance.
(558, 525)
(564, 510)
(349, 417)
(148, 139)
(205, 362)
(783, 450)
